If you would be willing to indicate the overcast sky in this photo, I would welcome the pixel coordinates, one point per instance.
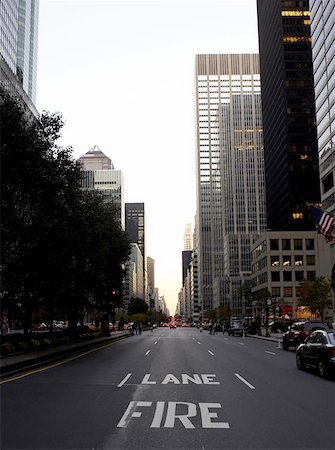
(122, 74)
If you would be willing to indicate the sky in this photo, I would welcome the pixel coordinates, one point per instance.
(122, 75)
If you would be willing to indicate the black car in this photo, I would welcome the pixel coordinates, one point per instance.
(300, 330)
(318, 351)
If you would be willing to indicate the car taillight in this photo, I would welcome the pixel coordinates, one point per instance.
(331, 350)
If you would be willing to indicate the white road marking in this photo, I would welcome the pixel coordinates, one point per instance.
(126, 378)
(270, 353)
(244, 381)
(211, 352)
(241, 343)
(156, 342)
(199, 343)
(147, 353)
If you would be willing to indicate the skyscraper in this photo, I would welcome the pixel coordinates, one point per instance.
(18, 48)
(99, 174)
(290, 140)
(323, 44)
(135, 227)
(230, 183)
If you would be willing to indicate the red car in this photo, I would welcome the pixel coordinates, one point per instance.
(39, 327)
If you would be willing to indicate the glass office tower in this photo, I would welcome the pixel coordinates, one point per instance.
(230, 181)
(288, 104)
(323, 49)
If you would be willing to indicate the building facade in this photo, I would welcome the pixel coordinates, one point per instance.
(230, 181)
(98, 173)
(18, 49)
(288, 104)
(135, 227)
(281, 260)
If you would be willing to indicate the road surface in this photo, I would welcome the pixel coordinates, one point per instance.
(171, 389)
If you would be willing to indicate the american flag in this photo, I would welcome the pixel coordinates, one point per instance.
(324, 223)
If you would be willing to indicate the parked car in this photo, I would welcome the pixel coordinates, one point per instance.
(318, 351)
(300, 330)
(39, 327)
(277, 326)
(237, 329)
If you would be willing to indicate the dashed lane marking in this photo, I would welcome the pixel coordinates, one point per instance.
(211, 353)
(270, 353)
(147, 353)
(126, 378)
(244, 381)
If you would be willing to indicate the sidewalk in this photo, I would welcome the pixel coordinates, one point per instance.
(19, 362)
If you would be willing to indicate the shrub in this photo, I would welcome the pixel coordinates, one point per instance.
(63, 340)
(22, 346)
(7, 347)
(34, 343)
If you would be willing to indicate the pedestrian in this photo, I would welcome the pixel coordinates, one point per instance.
(140, 328)
(135, 327)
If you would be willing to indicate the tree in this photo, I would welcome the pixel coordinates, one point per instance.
(138, 306)
(61, 248)
(315, 295)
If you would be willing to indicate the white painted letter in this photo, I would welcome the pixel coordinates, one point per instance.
(206, 416)
(184, 418)
(157, 420)
(186, 378)
(146, 379)
(130, 412)
(170, 379)
(208, 379)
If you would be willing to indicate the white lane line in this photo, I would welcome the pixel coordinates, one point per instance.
(244, 381)
(199, 343)
(156, 342)
(241, 343)
(147, 353)
(211, 352)
(126, 378)
(226, 339)
(270, 353)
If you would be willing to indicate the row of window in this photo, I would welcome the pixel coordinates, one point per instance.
(296, 260)
(286, 244)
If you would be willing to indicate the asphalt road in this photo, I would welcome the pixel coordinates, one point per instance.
(171, 389)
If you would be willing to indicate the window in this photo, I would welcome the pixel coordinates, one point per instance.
(310, 260)
(286, 261)
(309, 244)
(275, 261)
(274, 244)
(287, 292)
(287, 276)
(275, 276)
(298, 260)
(297, 244)
(286, 244)
(299, 275)
(311, 275)
(275, 292)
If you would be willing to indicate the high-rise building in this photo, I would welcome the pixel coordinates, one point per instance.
(135, 227)
(18, 48)
(188, 237)
(288, 105)
(230, 181)
(99, 173)
(27, 45)
(323, 50)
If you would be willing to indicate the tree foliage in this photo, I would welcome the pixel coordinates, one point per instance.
(137, 306)
(315, 295)
(61, 248)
